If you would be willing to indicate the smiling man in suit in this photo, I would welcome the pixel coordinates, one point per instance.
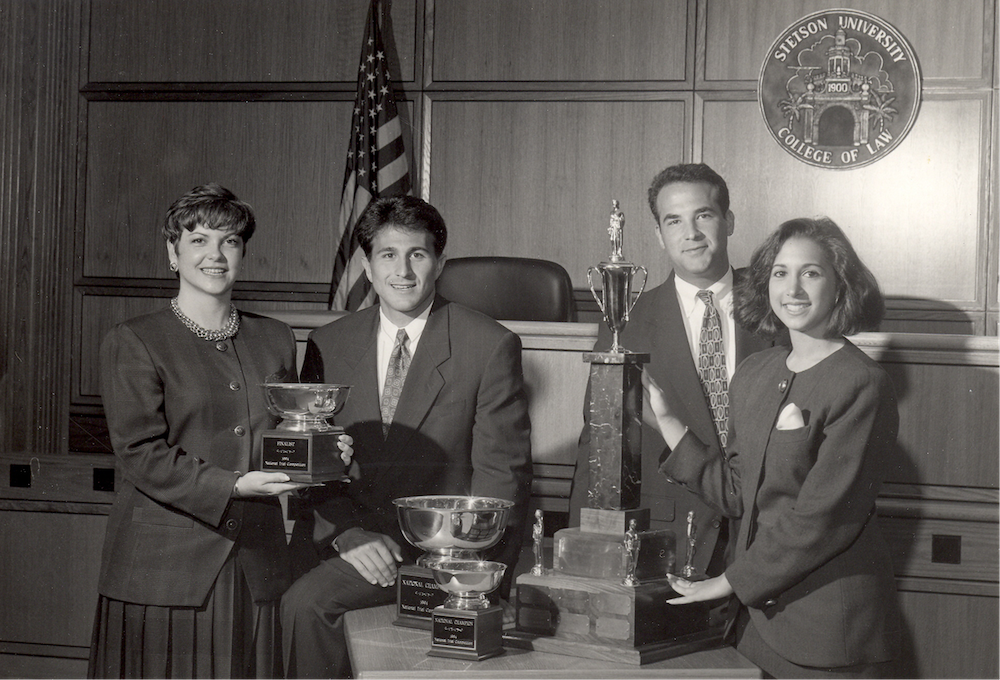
(693, 223)
(437, 406)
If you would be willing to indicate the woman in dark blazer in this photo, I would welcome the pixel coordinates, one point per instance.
(814, 424)
(195, 558)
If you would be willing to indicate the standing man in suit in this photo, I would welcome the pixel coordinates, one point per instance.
(690, 204)
(437, 406)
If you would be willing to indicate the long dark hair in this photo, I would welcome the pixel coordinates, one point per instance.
(859, 306)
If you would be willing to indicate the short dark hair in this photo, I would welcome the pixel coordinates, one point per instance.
(210, 206)
(405, 212)
(688, 172)
(860, 305)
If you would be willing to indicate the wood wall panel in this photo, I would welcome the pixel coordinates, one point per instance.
(238, 41)
(949, 636)
(555, 382)
(584, 40)
(536, 178)
(37, 582)
(98, 315)
(39, 62)
(892, 210)
(948, 424)
(284, 158)
(948, 36)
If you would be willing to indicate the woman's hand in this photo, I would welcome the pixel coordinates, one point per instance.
(346, 446)
(658, 415)
(699, 591)
(257, 483)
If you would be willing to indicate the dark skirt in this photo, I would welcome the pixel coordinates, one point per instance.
(751, 645)
(228, 637)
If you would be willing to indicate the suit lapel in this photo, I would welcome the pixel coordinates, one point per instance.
(669, 339)
(360, 360)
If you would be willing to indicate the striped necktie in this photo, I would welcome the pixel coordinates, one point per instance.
(399, 362)
(712, 367)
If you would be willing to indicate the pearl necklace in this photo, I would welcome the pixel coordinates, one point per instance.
(214, 336)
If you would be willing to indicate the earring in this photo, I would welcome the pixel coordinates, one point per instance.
(173, 266)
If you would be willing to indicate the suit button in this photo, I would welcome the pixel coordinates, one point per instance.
(239, 430)
(234, 386)
(232, 524)
(221, 346)
(716, 524)
(769, 603)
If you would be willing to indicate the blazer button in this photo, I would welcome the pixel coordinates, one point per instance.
(716, 524)
(234, 386)
(239, 430)
(783, 385)
(769, 603)
(232, 524)
(221, 346)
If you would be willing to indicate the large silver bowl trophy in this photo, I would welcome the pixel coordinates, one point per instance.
(304, 444)
(605, 595)
(446, 590)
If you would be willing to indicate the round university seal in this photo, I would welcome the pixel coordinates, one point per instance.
(839, 89)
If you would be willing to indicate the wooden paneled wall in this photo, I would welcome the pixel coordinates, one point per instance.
(524, 121)
(39, 67)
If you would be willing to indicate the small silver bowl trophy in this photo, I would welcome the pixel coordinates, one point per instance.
(304, 444)
(446, 590)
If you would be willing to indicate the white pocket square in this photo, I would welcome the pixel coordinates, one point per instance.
(790, 418)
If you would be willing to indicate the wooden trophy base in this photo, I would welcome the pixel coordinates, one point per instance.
(470, 634)
(602, 619)
(311, 457)
(417, 595)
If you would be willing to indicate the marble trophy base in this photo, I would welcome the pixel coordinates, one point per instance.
(417, 594)
(580, 607)
(602, 619)
(311, 457)
(470, 634)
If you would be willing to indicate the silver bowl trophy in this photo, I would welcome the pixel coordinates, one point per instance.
(605, 596)
(304, 444)
(445, 591)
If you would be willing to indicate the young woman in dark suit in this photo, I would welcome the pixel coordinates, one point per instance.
(195, 557)
(812, 427)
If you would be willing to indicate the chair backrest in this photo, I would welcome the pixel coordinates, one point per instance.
(510, 288)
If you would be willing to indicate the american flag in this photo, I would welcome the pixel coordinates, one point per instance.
(376, 166)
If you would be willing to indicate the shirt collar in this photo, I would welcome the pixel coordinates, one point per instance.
(414, 329)
(721, 290)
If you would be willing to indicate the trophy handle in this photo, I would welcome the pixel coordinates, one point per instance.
(645, 276)
(590, 280)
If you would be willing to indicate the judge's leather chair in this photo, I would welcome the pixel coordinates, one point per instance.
(509, 288)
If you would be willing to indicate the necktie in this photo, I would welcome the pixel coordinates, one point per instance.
(712, 367)
(399, 361)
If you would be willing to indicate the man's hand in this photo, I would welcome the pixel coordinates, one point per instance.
(699, 591)
(374, 555)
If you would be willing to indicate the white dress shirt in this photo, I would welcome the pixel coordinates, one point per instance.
(693, 311)
(387, 340)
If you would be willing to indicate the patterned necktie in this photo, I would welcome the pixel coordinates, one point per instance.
(712, 367)
(399, 361)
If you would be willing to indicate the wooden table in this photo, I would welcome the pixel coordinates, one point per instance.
(380, 649)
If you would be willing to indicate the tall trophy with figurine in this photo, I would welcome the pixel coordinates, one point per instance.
(606, 595)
